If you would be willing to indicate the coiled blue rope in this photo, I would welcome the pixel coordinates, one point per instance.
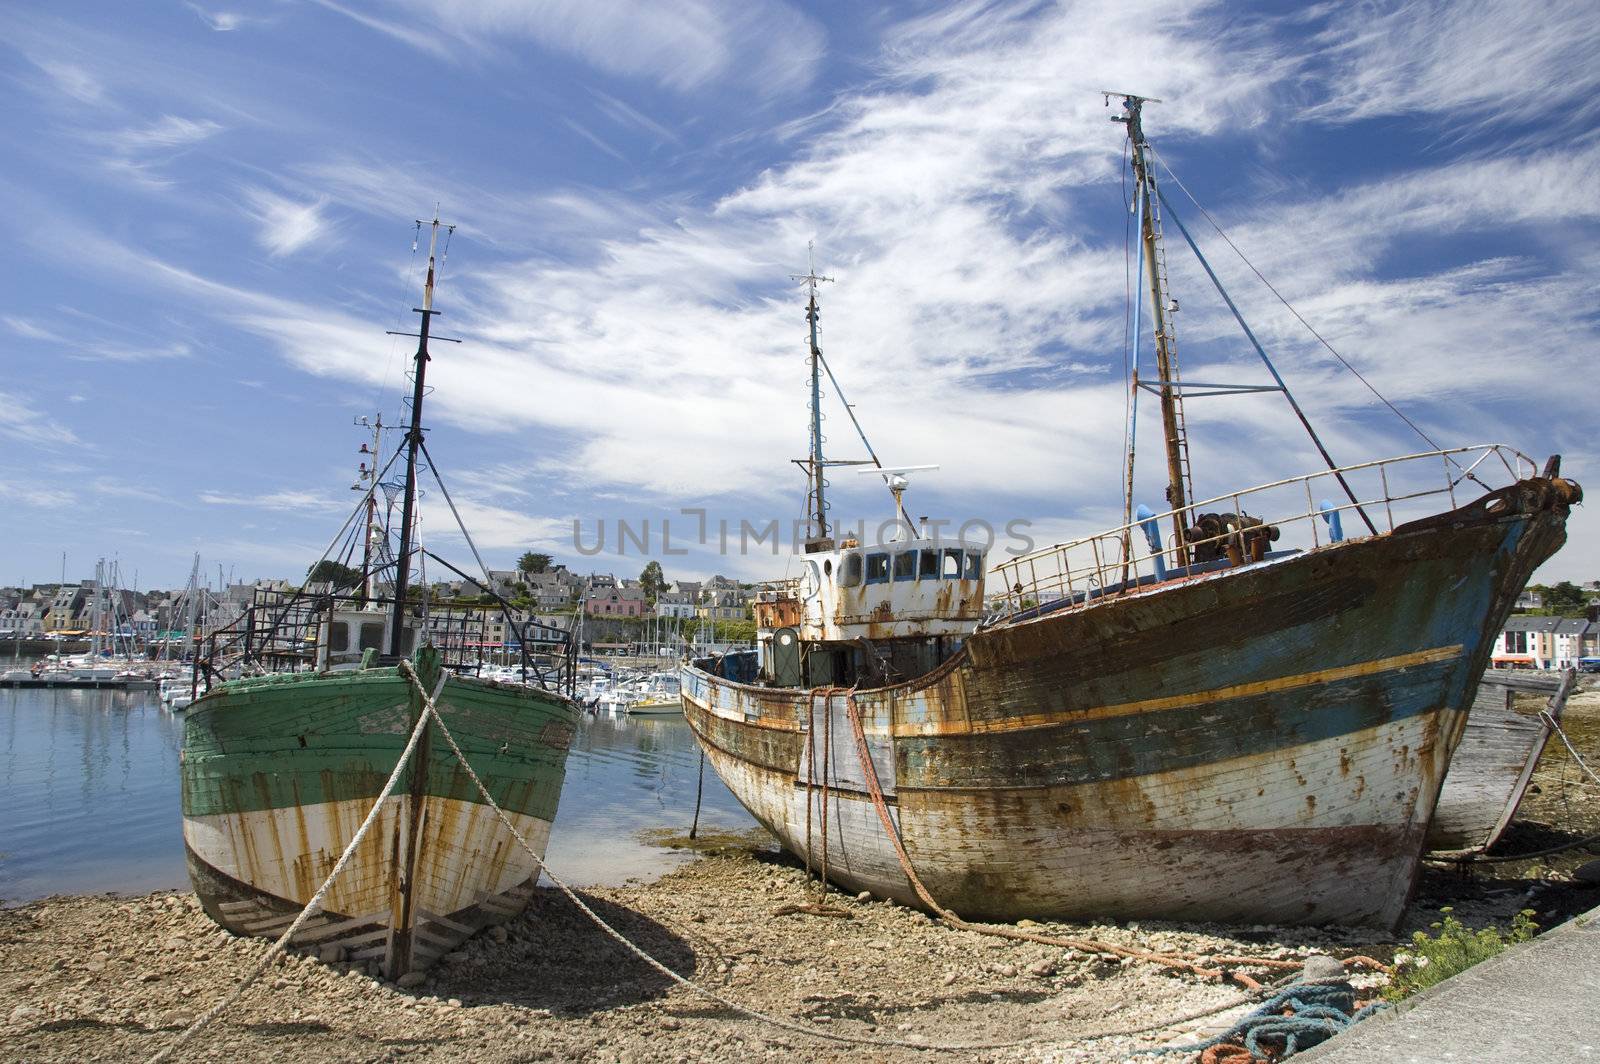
(1321, 1010)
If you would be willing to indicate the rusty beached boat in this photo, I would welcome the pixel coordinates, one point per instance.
(1240, 709)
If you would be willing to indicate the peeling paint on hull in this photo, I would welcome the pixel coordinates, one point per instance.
(1264, 743)
(279, 774)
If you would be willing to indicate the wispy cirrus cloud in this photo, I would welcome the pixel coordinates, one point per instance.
(289, 500)
(22, 422)
(72, 80)
(1475, 62)
(221, 21)
(166, 132)
(35, 495)
(766, 46)
(286, 225)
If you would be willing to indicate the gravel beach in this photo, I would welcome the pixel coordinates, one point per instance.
(117, 978)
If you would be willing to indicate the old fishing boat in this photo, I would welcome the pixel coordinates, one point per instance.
(279, 770)
(1241, 708)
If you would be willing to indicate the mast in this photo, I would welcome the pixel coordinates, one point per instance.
(817, 503)
(367, 480)
(402, 570)
(1166, 358)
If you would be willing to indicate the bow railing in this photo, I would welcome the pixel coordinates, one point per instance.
(1254, 525)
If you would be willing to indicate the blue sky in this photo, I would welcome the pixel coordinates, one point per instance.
(210, 210)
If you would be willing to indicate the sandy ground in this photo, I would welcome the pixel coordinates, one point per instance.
(116, 978)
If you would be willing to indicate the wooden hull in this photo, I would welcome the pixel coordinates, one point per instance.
(1263, 744)
(279, 773)
(1494, 763)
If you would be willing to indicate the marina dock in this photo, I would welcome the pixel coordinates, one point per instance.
(99, 685)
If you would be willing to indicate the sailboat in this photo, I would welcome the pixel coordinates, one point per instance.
(1239, 708)
(278, 770)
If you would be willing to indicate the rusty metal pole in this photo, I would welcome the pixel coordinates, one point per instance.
(1176, 496)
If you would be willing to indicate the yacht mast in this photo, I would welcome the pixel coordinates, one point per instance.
(367, 481)
(402, 568)
(1166, 357)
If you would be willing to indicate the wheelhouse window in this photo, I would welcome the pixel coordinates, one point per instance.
(974, 565)
(850, 572)
(952, 564)
(929, 566)
(877, 568)
(905, 565)
(339, 636)
(372, 635)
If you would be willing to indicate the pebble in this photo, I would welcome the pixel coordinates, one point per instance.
(411, 980)
(1319, 966)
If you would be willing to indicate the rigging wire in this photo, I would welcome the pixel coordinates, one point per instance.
(1298, 317)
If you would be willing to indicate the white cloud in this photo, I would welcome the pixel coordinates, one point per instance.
(221, 21)
(286, 225)
(1474, 62)
(28, 329)
(72, 80)
(766, 46)
(168, 131)
(292, 500)
(21, 422)
(35, 495)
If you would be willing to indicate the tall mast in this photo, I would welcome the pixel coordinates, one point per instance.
(1166, 357)
(402, 570)
(817, 510)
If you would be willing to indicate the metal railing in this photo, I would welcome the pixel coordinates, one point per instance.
(284, 631)
(1254, 524)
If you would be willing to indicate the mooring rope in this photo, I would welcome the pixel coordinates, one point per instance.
(1555, 726)
(430, 713)
(1321, 1008)
(1183, 962)
(313, 906)
(745, 1010)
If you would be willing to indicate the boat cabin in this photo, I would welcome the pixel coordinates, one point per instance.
(869, 616)
(347, 634)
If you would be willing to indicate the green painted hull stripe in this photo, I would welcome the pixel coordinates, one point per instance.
(283, 742)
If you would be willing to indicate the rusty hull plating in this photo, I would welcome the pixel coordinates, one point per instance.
(1264, 743)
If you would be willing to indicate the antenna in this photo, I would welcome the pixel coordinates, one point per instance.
(896, 478)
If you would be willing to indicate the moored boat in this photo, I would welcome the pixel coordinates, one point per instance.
(1245, 718)
(280, 770)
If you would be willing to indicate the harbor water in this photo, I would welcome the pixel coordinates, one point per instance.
(89, 786)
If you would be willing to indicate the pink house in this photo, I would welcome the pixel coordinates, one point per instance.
(614, 602)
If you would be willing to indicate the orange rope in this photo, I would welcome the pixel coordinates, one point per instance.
(1182, 962)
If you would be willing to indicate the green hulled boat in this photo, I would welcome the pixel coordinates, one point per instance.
(280, 770)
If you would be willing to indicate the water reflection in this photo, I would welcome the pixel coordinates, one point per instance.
(89, 789)
(627, 775)
(89, 784)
